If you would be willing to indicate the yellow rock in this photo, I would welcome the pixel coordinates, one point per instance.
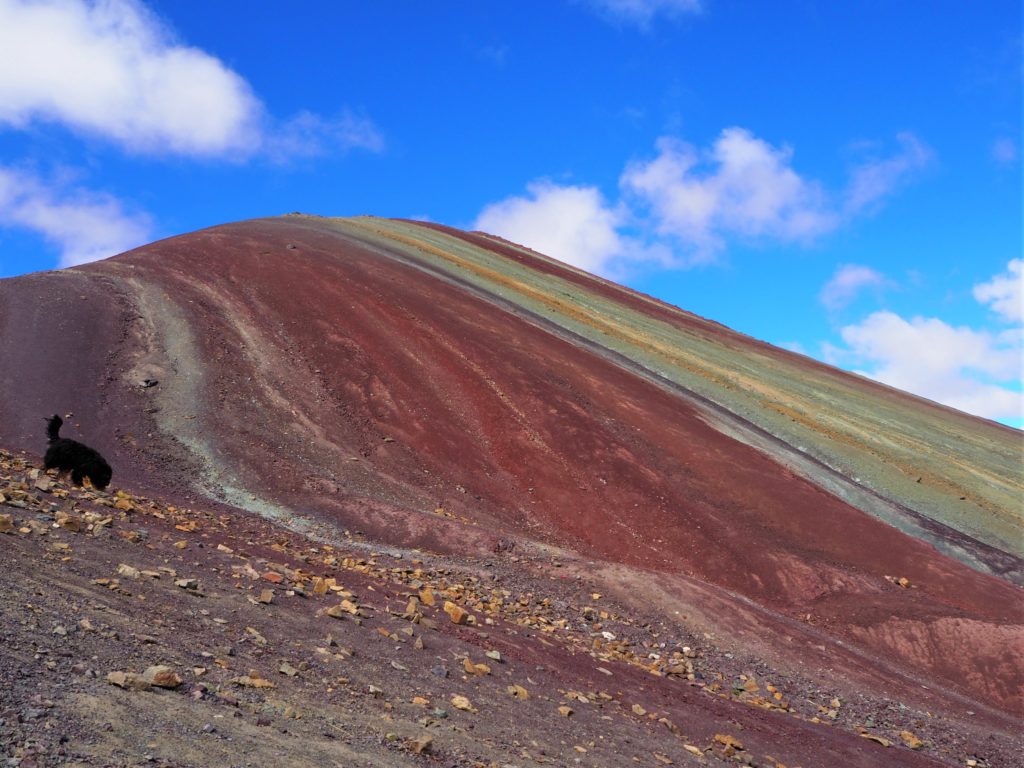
(518, 692)
(129, 572)
(253, 680)
(877, 739)
(128, 680)
(345, 606)
(911, 740)
(421, 745)
(456, 613)
(475, 669)
(729, 741)
(461, 702)
(68, 521)
(162, 676)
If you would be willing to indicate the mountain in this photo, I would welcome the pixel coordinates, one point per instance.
(424, 391)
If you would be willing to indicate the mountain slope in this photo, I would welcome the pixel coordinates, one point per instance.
(449, 391)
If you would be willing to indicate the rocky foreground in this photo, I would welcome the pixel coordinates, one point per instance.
(135, 632)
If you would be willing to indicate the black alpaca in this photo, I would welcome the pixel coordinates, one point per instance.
(81, 461)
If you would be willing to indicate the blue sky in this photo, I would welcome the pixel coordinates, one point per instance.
(840, 178)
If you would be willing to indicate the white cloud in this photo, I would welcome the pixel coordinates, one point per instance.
(848, 281)
(973, 371)
(572, 224)
(1004, 151)
(1005, 293)
(877, 179)
(742, 187)
(309, 135)
(682, 207)
(642, 11)
(110, 68)
(84, 225)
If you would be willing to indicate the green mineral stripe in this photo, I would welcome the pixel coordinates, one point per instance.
(866, 432)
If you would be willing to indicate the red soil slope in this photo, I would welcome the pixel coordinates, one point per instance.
(306, 376)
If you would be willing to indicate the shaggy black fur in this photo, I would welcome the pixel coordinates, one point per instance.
(71, 456)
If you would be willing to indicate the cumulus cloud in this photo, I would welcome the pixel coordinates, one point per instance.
(1004, 293)
(848, 281)
(742, 186)
(977, 371)
(973, 371)
(878, 178)
(573, 224)
(110, 68)
(641, 12)
(685, 205)
(84, 225)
